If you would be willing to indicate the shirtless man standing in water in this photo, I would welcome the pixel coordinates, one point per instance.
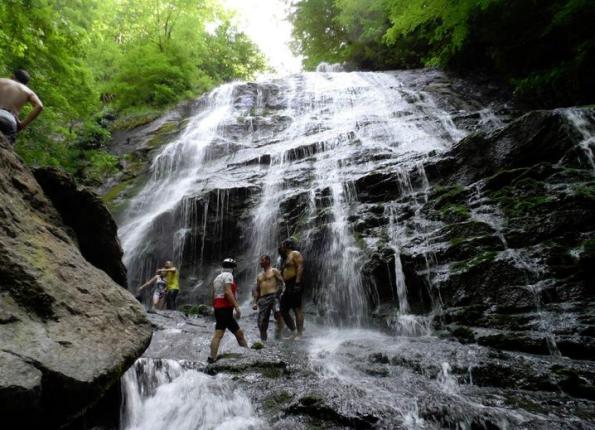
(293, 271)
(14, 94)
(269, 285)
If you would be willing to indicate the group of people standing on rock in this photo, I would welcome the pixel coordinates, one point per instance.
(277, 292)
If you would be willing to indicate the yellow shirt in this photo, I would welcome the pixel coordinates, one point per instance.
(173, 280)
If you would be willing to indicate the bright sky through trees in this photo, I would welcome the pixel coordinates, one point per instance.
(265, 22)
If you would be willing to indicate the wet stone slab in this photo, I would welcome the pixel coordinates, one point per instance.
(358, 378)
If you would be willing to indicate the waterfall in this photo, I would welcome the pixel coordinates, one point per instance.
(582, 121)
(340, 162)
(288, 151)
(162, 394)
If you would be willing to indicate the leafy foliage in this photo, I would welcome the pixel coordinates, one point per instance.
(544, 49)
(88, 58)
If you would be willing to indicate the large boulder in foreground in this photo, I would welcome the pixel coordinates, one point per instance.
(67, 330)
(93, 227)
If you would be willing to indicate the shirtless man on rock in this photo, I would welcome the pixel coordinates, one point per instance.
(293, 272)
(269, 286)
(14, 94)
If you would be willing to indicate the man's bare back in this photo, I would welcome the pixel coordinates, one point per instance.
(14, 94)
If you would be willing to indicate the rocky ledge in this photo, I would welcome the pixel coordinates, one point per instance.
(67, 330)
(355, 378)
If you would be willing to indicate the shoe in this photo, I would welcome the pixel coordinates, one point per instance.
(210, 360)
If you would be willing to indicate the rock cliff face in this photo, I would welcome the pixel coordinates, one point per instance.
(411, 194)
(90, 223)
(67, 331)
(510, 251)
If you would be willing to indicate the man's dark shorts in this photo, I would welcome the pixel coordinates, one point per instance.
(8, 125)
(292, 297)
(225, 320)
(266, 305)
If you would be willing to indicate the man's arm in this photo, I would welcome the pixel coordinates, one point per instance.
(37, 108)
(298, 260)
(280, 282)
(257, 289)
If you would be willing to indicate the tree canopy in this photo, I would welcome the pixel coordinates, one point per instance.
(545, 49)
(91, 59)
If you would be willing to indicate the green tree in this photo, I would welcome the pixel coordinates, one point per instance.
(544, 49)
(88, 58)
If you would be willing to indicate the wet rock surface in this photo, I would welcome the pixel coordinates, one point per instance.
(357, 378)
(67, 331)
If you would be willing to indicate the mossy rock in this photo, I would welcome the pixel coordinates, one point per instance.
(114, 192)
(164, 134)
(202, 310)
(586, 191)
(442, 196)
(463, 334)
(484, 257)
(466, 229)
(454, 213)
(257, 346)
(277, 401)
(134, 120)
(503, 178)
(272, 372)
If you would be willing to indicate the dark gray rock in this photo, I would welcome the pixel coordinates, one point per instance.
(90, 223)
(68, 331)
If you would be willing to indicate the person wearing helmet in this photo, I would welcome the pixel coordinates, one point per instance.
(224, 289)
(293, 272)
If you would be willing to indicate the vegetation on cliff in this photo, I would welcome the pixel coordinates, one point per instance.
(544, 49)
(92, 61)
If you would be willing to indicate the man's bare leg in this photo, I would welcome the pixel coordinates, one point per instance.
(240, 338)
(217, 336)
(299, 319)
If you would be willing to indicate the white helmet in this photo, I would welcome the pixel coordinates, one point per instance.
(229, 263)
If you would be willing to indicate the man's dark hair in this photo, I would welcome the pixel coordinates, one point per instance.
(266, 257)
(288, 243)
(22, 76)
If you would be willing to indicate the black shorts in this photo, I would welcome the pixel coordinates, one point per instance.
(292, 296)
(8, 125)
(225, 320)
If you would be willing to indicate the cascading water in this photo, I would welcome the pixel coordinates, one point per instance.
(174, 176)
(163, 394)
(582, 121)
(294, 157)
(323, 131)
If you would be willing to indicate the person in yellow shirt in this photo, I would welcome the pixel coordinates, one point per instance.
(172, 279)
